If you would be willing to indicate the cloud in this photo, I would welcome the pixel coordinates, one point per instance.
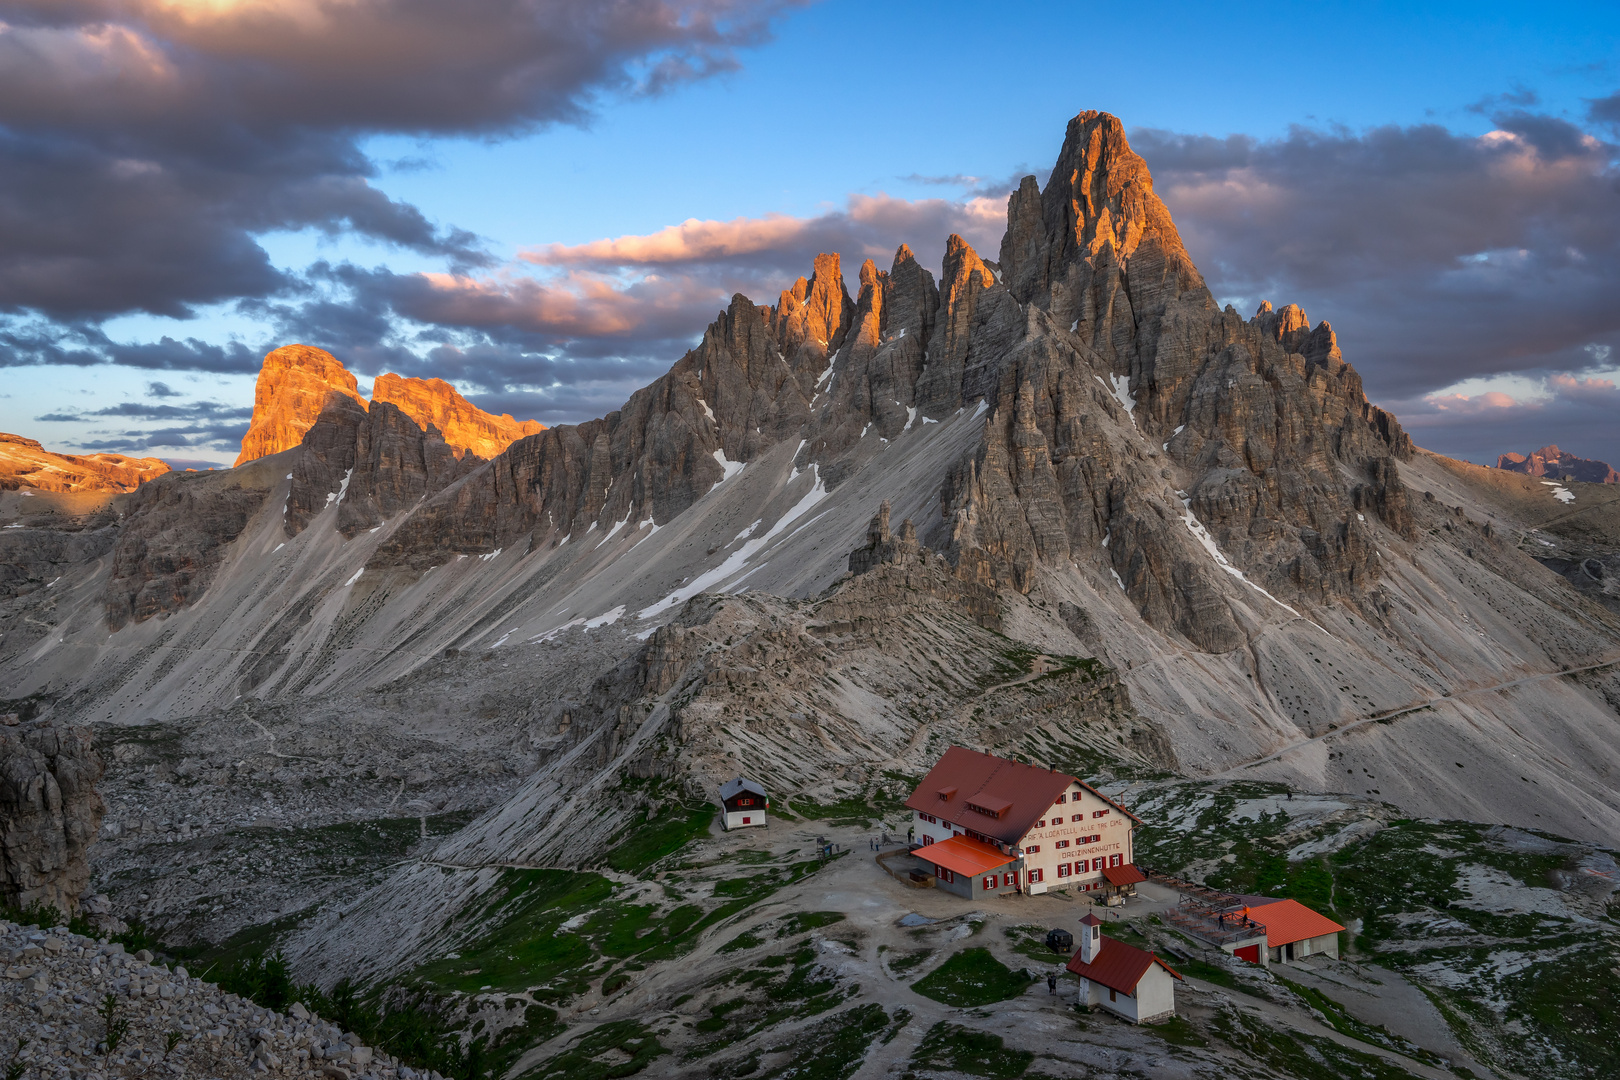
(1604, 110)
(201, 424)
(160, 390)
(146, 143)
(570, 331)
(869, 226)
(1574, 409)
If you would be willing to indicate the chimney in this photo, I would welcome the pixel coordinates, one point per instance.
(1090, 938)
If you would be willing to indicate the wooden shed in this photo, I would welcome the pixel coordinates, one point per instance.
(744, 802)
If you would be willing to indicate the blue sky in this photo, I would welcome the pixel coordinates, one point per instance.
(1466, 278)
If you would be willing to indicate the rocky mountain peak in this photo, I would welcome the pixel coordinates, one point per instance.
(289, 395)
(1551, 461)
(296, 379)
(1067, 246)
(25, 464)
(464, 426)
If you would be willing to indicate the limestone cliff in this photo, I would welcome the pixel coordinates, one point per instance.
(463, 426)
(289, 395)
(1131, 425)
(50, 813)
(26, 465)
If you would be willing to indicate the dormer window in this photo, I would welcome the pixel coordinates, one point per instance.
(989, 806)
(947, 793)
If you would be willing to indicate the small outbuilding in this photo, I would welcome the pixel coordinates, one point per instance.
(1293, 931)
(971, 868)
(1121, 881)
(744, 802)
(1131, 983)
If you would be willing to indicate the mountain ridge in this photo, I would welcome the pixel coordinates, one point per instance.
(1100, 466)
(1551, 461)
(295, 381)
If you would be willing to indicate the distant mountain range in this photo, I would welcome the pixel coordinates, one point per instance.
(1551, 461)
(26, 465)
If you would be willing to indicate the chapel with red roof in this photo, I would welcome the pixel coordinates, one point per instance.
(992, 826)
(1131, 983)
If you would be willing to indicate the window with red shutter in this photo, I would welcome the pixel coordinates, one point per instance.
(1063, 869)
(990, 881)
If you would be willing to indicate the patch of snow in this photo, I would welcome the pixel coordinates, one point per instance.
(273, 550)
(356, 577)
(490, 555)
(865, 429)
(729, 468)
(736, 586)
(564, 628)
(617, 525)
(826, 375)
(560, 543)
(647, 633)
(1117, 579)
(1107, 536)
(1207, 541)
(1560, 492)
(736, 560)
(1361, 517)
(1074, 326)
(373, 530)
(643, 525)
(289, 476)
(707, 411)
(911, 417)
(902, 331)
(607, 618)
(343, 489)
(984, 407)
(19, 525)
(746, 533)
(927, 420)
(1121, 391)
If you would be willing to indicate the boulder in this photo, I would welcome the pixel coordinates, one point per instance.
(50, 813)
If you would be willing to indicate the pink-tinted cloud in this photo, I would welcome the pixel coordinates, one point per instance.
(869, 226)
(1593, 390)
(145, 144)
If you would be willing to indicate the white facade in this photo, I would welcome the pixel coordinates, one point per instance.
(1324, 945)
(1078, 830)
(1155, 997)
(745, 819)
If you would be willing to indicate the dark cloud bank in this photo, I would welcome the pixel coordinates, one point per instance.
(144, 148)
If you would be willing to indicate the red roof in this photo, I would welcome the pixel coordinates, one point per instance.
(993, 796)
(1123, 875)
(1288, 921)
(964, 855)
(1118, 966)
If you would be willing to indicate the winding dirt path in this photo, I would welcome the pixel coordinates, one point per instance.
(1391, 714)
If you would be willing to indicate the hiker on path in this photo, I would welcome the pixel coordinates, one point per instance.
(1051, 982)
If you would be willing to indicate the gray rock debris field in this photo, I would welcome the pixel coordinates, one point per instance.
(51, 994)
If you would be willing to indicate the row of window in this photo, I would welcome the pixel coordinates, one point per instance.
(1087, 865)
